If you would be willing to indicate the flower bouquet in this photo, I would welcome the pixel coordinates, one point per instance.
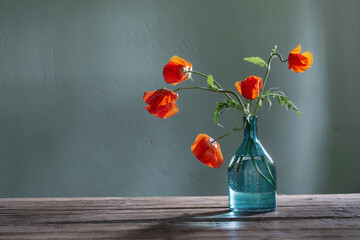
(251, 171)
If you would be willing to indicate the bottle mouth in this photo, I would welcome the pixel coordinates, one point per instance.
(252, 118)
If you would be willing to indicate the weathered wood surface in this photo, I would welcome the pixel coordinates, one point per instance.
(297, 217)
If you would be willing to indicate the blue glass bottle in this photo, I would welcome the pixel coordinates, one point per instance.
(251, 175)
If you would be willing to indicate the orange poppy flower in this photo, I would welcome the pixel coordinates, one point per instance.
(174, 70)
(161, 103)
(299, 62)
(207, 151)
(250, 87)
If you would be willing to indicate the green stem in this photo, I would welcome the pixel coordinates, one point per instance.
(217, 90)
(281, 58)
(219, 86)
(205, 76)
(239, 164)
(232, 164)
(274, 54)
(197, 73)
(266, 164)
(229, 133)
(246, 151)
(261, 174)
(268, 169)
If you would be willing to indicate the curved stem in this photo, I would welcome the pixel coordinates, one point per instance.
(259, 171)
(232, 163)
(246, 151)
(281, 58)
(268, 169)
(205, 76)
(219, 86)
(274, 54)
(266, 164)
(216, 90)
(197, 73)
(229, 133)
(261, 174)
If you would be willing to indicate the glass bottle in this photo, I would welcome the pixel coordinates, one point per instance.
(251, 175)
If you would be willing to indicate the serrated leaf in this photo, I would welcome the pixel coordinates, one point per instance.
(280, 96)
(282, 102)
(269, 90)
(216, 118)
(280, 93)
(256, 60)
(220, 106)
(297, 111)
(285, 102)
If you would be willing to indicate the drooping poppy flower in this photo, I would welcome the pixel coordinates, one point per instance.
(161, 103)
(207, 151)
(250, 87)
(299, 62)
(174, 70)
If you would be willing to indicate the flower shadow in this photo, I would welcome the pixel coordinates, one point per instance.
(176, 227)
(203, 225)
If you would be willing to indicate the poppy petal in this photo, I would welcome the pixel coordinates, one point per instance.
(161, 103)
(163, 111)
(174, 71)
(299, 62)
(250, 87)
(309, 58)
(238, 86)
(180, 61)
(207, 151)
(296, 50)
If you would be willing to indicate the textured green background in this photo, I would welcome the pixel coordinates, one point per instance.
(72, 76)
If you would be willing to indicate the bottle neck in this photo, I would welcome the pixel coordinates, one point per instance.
(251, 145)
(250, 130)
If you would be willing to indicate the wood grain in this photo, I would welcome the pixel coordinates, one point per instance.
(297, 217)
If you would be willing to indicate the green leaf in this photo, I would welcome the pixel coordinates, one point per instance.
(281, 101)
(268, 98)
(220, 106)
(210, 82)
(280, 96)
(297, 111)
(285, 101)
(268, 91)
(256, 60)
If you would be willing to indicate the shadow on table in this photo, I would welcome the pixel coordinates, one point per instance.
(202, 225)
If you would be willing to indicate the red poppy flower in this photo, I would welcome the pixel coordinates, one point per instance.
(174, 70)
(161, 103)
(299, 62)
(207, 151)
(250, 87)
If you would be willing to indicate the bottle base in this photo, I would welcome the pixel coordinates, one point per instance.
(252, 210)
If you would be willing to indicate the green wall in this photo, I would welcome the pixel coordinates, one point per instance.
(72, 76)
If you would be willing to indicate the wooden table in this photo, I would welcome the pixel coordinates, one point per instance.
(297, 217)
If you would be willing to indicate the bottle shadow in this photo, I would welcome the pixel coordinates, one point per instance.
(202, 225)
